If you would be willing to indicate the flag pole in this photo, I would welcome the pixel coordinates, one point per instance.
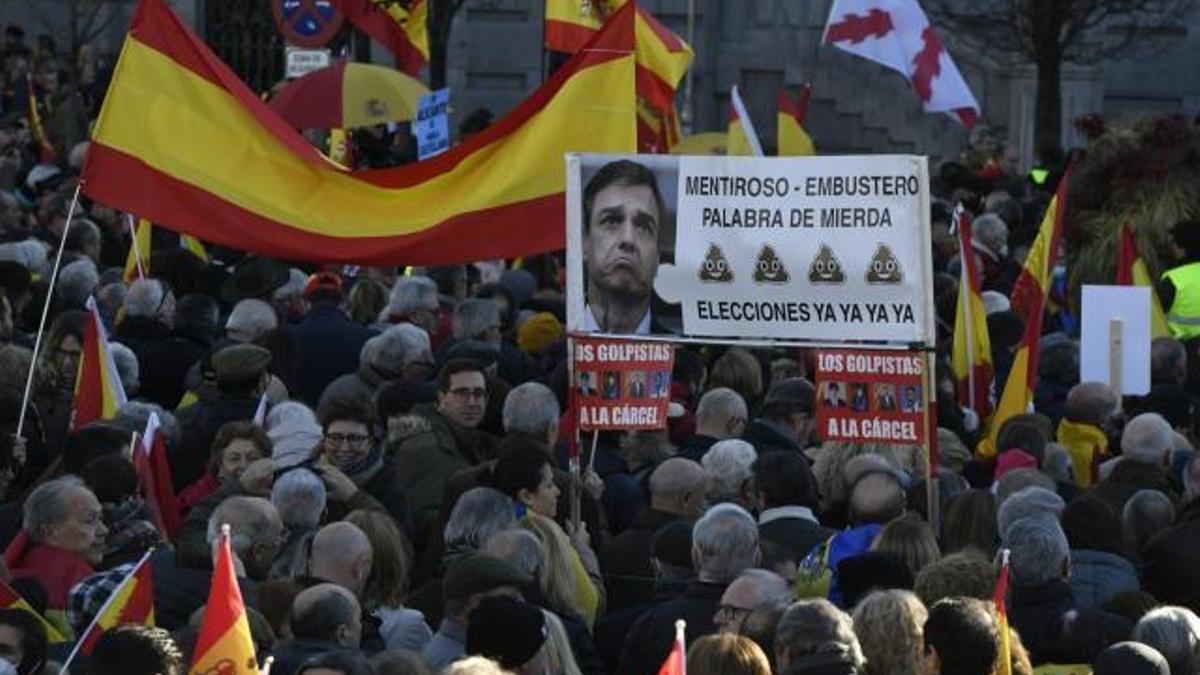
(689, 115)
(37, 341)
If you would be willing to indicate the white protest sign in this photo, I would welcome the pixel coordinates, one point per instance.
(1130, 307)
(431, 126)
(796, 249)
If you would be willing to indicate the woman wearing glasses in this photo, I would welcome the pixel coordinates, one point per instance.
(351, 445)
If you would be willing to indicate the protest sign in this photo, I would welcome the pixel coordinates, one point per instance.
(797, 249)
(1114, 341)
(621, 384)
(431, 126)
(872, 396)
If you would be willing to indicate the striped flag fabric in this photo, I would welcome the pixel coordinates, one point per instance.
(571, 23)
(400, 27)
(972, 349)
(131, 602)
(189, 243)
(224, 645)
(10, 599)
(98, 389)
(46, 154)
(137, 262)
(794, 140)
(741, 138)
(1004, 665)
(242, 177)
(676, 663)
(1029, 300)
(1132, 271)
(153, 469)
(260, 412)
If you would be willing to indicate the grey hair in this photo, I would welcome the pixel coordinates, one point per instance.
(731, 464)
(127, 366)
(299, 495)
(77, 281)
(518, 546)
(477, 515)
(394, 348)
(1056, 463)
(718, 405)
(1032, 501)
(1175, 633)
(1147, 513)
(144, 298)
(769, 586)
(726, 539)
(134, 415)
(29, 253)
(990, 230)
(473, 317)
(247, 520)
(47, 505)
(530, 408)
(816, 626)
(1147, 439)
(249, 319)
(292, 288)
(1038, 550)
(409, 294)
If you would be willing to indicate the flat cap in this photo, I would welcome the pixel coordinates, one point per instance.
(479, 573)
(238, 363)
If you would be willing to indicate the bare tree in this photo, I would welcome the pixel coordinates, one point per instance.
(1053, 32)
(84, 20)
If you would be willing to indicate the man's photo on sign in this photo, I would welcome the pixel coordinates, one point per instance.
(834, 395)
(885, 397)
(910, 398)
(587, 383)
(858, 400)
(635, 384)
(612, 385)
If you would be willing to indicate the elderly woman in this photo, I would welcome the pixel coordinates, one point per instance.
(237, 445)
(401, 352)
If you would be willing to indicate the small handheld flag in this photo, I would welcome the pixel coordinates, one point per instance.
(676, 663)
(131, 602)
(98, 389)
(1005, 658)
(10, 599)
(224, 644)
(742, 139)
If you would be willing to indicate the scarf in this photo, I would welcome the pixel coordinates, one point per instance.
(1087, 445)
(365, 470)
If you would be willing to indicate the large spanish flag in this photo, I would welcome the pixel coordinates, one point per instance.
(972, 351)
(1029, 299)
(1132, 271)
(98, 389)
(402, 30)
(224, 645)
(183, 142)
(131, 602)
(793, 138)
(10, 599)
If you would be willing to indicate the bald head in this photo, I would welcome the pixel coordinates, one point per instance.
(255, 532)
(341, 553)
(1090, 403)
(861, 464)
(679, 486)
(327, 613)
(876, 498)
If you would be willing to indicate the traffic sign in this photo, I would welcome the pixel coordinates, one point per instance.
(307, 23)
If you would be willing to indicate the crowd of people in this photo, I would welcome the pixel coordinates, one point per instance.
(407, 504)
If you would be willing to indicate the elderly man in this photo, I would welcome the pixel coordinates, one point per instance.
(324, 618)
(815, 636)
(1041, 606)
(299, 496)
(752, 589)
(467, 582)
(622, 213)
(146, 329)
(731, 465)
(399, 353)
(678, 492)
(413, 299)
(720, 415)
(341, 554)
(1083, 432)
(786, 419)
(328, 342)
(724, 544)
(62, 538)
(991, 248)
(1171, 561)
(787, 496)
(1146, 446)
(478, 320)
(249, 320)
(1168, 375)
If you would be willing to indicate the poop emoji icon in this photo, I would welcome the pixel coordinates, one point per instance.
(769, 269)
(825, 268)
(884, 267)
(715, 268)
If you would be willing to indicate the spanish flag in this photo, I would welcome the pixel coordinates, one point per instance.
(1029, 300)
(571, 23)
(401, 27)
(224, 645)
(98, 389)
(189, 243)
(10, 599)
(741, 138)
(676, 663)
(972, 352)
(137, 261)
(46, 154)
(793, 139)
(183, 142)
(154, 476)
(1132, 271)
(1004, 660)
(131, 602)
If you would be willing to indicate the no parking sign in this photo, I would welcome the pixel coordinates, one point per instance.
(307, 23)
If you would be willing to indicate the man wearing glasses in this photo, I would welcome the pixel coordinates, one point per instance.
(426, 460)
(350, 445)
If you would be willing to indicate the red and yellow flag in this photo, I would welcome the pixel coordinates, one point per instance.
(972, 351)
(154, 475)
(676, 663)
(793, 138)
(1004, 661)
(131, 602)
(98, 389)
(46, 152)
(1029, 300)
(741, 138)
(401, 27)
(1132, 271)
(137, 261)
(10, 599)
(224, 645)
(571, 23)
(241, 177)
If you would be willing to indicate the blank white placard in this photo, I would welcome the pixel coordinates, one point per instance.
(1130, 305)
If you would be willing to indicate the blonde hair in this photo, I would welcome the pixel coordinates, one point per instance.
(556, 576)
(726, 654)
(912, 540)
(889, 625)
(475, 665)
(391, 559)
(559, 657)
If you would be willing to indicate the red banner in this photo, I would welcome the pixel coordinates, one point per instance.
(620, 384)
(871, 396)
